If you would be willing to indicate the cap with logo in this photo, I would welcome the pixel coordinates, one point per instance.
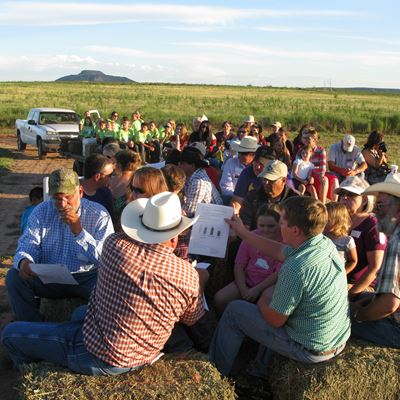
(274, 170)
(63, 180)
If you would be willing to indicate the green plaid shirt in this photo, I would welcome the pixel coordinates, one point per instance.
(389, 274)
(312, 290)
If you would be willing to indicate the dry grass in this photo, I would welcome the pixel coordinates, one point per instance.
(169, 379)
(362, 371)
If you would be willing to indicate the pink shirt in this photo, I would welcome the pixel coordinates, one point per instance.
(257, 266)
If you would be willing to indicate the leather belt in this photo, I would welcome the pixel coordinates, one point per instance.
(321, 353)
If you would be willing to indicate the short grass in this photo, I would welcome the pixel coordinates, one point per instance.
(6, 159)
(330, 111)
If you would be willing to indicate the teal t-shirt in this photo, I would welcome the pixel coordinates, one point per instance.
(87, 131)
(312, 290)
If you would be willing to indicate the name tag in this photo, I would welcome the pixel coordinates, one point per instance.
(355, 234)
(382, 238)
(262, 264)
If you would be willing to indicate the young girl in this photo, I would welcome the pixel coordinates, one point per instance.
(337, 230)
(253, 271)
(301, 172)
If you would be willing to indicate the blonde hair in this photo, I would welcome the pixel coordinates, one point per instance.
(338, 218)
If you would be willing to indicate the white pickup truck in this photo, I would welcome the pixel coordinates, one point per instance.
(45, 127)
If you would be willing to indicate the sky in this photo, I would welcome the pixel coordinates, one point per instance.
(350, 43)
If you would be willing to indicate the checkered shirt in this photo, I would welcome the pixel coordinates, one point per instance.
(142, 291)
(318, 158)
(389, 274)
(47, 240)
(199, 189)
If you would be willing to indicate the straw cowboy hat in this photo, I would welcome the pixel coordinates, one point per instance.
(155, 220)
(391, 185)
(247, 145)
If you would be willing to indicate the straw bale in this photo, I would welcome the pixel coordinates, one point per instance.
(362, 371)
(59, 310)
(168, 378)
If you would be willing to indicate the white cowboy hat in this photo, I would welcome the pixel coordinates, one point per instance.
(155, 220)
(248, 144)
(391, 185)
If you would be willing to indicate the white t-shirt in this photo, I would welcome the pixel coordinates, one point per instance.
(303, 169)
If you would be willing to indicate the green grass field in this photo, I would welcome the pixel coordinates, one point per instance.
(331, 112)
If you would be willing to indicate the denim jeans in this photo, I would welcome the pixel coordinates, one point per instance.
(23, 293)
(60, 344)
(241, 319)
(384, 332)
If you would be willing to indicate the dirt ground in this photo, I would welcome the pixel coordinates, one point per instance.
(26, 172)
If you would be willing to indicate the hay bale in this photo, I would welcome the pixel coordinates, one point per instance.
(59, 310)
(362, 371)
(169, 379)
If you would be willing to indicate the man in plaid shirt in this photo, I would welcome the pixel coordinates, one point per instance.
(142, 291)
(198, 187)
(376, 316)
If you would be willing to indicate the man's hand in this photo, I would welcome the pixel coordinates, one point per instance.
(25, 271)
(236, 224)
(70, 217)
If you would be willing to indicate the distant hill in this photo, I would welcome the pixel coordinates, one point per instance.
(94, 76)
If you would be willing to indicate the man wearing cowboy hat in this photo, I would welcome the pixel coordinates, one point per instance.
(376, 316)
(142, 291)
(233, 167)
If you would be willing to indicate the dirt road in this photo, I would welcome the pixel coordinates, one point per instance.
(26, 172)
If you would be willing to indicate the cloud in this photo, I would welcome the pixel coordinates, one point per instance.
(73, 13)
(369, 58)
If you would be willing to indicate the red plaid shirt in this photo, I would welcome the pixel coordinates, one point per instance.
(142, 291)
(318, 158)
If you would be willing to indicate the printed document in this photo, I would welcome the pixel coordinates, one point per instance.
(53, 273)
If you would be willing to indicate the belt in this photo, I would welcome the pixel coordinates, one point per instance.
(321, 353)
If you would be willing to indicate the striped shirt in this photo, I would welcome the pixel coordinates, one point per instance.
(389, 274)
(312, 291)
(46, 240)
(199, 189)
(318, 158)
(142, 291)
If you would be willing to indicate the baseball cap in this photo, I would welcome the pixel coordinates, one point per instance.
(353, 184)
(277, 124)
(199, 146)
(274, 170)
(348, 143)
(63, 180)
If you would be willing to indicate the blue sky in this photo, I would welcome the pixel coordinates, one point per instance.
(285, 43)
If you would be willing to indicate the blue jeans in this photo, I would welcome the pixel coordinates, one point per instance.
(384, 332)
(60, 344)
(23, 293)
(241, 319)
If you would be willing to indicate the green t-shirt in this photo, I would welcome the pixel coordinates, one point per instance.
(155, 134)
(136, 126)
(312, 290)
(140, 137)
(125, 136)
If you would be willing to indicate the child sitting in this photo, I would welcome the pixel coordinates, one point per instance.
(337, 230)
(35, 197)
(254, 272)
(301, 172)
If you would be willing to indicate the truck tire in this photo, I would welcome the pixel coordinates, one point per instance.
(21, 146)
(41, 152)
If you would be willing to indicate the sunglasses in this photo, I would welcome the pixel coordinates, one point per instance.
(137, 190)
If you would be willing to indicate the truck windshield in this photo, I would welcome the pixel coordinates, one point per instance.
(58, 118)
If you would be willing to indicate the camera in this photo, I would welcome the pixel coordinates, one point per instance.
(382, 147)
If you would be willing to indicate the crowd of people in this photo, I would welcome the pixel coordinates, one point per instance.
(313, 250)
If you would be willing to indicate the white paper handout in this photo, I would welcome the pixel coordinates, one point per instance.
(53, 273)
(210, 233)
